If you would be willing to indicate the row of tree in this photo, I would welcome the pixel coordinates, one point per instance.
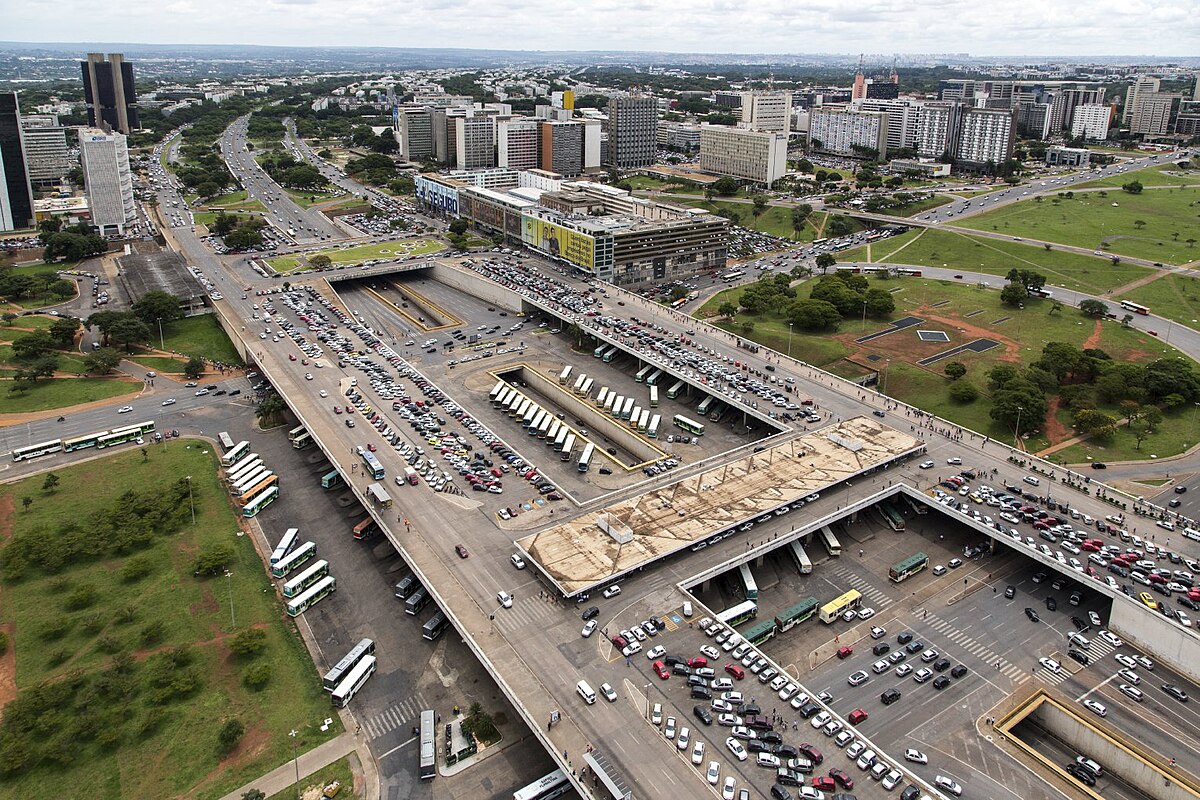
(833, 298)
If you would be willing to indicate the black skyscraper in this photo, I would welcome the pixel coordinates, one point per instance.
(109, 92)
(16, 198)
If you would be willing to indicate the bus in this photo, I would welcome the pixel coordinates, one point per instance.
(290, 536)
(535, 423)
(1135, 308)
(371, 463)
(910, 566)
(552, 433)
(635, 416)
(718, 411)
(610, 354)
(816, 242)
(564, 452)
(302, 441)
(81, 442)
(331, 480)
(501, 400)
(428, 751)
(613, 397)
(598, 352)
(306, 579)
(530, 414)
(585, 460)
(679, 303)
(235, 454)
(252, 478)
(262, 501)
(839, 605)
(349, 687)
(602, 398)
(295, 432)
(643, 420)
(251, 494)
(705, 405)
(791, 617)
(760, 632)
(803, 562)
(416, 601)
(640, 377)
(748, 585)
(736, 615)
(733, 275)
(245, 461)
(515, 402)
(522, 408)
(543, 430)
(579, 383)
(627, 408)
(311, 596)
(689, 425)
(365, 529)
(545, 788)
(654, 377)
(564, 376)
(652, 428)
(435, 626)
(561, 436)
(654, 397)
(494, 394)
(342, 668)
(284, 566)
(675, 389)
(255, 464)
(587, 387)
(226, 441)
(123, 435)
(37, 450)
(832, 545)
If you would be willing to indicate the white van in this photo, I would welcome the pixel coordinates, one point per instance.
(586, 692)
(687, 608)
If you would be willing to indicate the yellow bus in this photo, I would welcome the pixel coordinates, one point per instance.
(836, 607)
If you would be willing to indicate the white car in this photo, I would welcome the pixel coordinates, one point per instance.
(948, 785)
(698, 754)
(728, 789)
(1131, 692)
(170, 401)
(915, 756)
(926, 464)
(1111, 638)
(124, 409)
(589, 628)
(611, 696)
(1126, 660)
(736, 748)
(1051, 665)
(669, 730)
(769, 760)
(323, 393)
(1096, 707)
(956, 461)
(656, 715)
(656, 652)
(505, 599)
(634, 647)
(684, 738)
(820, 719)
(866, 613)
(710, 652)
(713, 774)
(611, 592)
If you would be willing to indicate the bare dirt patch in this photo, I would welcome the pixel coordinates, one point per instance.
(1093, 341)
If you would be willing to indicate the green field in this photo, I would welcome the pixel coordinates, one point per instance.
(944, 248)
(1150, 176)
(234, 201)
(1176, 297)
(54, 393)
(114, 738)
(200, 336)
(354, 255)
(308, 199)
(337, 771)
(775, 220)
(1168, 217)
(1175, 434)
(918, 206)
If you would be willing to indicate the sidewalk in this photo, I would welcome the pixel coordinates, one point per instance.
(284, 776)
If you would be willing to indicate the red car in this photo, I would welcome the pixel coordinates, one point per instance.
(811, 753)
(698, 661)
(856, 716)
(845, 652)
(735, 671)
(661, 670)
(824, 782)
(843, 779)
(337, 409)
(372, 448)
(462, 551)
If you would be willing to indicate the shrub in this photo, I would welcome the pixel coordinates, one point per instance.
(126, 614)
(257, 675)
(231, 733)
(249, 642)
(213, 559)
(55, 628)
(136, 568)
(153, 633)
(108, 644)
(93, 623)
(58, 657)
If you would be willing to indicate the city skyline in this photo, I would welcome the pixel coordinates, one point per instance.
(1058, 28)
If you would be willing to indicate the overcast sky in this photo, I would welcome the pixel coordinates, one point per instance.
(979, 27)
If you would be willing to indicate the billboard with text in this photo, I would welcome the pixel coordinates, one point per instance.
(555, 240)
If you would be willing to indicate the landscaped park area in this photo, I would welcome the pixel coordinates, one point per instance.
(391, 250)
(132, 665)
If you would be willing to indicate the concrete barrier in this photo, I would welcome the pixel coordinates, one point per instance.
(474, 285)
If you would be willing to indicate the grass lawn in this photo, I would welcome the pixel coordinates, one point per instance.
(32, 322)
(337, 771)
(657, 184)
(230, 199)
(367, 252)
(200, 336)
(944, 248)
(42, 268)
(1176, 433)
(1161, 175)
(158, 363)
(918, 206)
(1090, 219)
(775, 221)
(179, 756)
(307, 199)
(63, 393)
(1175, 297)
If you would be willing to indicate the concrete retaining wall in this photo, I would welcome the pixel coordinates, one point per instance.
(1167, 641)
(475, 286)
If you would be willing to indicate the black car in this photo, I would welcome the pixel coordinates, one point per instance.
(1010, 591)
(779, 792)
(910, 793)
(671, 661)
(889, 697)
(1032, 614)
(702, 713)
(904, 638)
(1081, 774)
(914, 646)
(809, 709)
(771, 737)
(1079, 656)
(1180, 489)
(1099, 465)
(881, 648)
(959, 671)
(1080, 624)
(1051, 604)
(591, 612)
(1188, 602)
(941, 682)
(1175, 691)
(701, 693)
(942, 664)
(747, 709)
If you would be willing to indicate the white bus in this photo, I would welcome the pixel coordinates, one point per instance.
(602, 398)
(587, 387)
(689, 425)
(627, 408)
(306, 579)
(654, 397)
(502, 399)
(564, 376)
(640, 377)
(543, 430)
(290, 536)
(302, 441)
(552, 433)
(579, 383)
(585, 460)
(225, 440)
(311, 596)
(246, 461)
(531, 414)
(609, 402)
(564, 452)
(514, 403)
(284, 566)
(547, 787)
(561, 436)
(251, 466)
(644, 420)
(803, 562)
(265, 499)
(536, 422)
(652, 428)
(253, 478)
(295, 432)
(523, 407)
(428, 749)
(342, 668)
(350, 685)
(634, 416)
(496, 390)
(654, 377)
(832, 545)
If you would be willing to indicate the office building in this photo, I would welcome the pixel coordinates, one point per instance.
(927, 168)
(105, 159)
(593, 144)
(682, 136)
(766, 111)
(108, 91)
(1078, 157)
(757, 156)
(1148, 111)
(517, 141)
(632, 127)
(1091, 122)
(1034, 119)
(901, 119)
(47, 155)
(979, 94)
(848, 131)
(562, 147)
(474, 142)
(1065, 103)
(416, 134)
(16, 195)
(937, 130)
(986, 136)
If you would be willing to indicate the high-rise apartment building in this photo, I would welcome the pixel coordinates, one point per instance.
(901, 119)
(474, 142)
(16, 196)
(759, 156)
(632, 127)
(848, 131)
(1066, 101)
(109, 92)
(416, 134)
(47, 155)
(105, 158)
(1091, 121)
(1148, 111)
(937, 129)
(767, 111)
(562, 147)
(517, 143)
(986, 136)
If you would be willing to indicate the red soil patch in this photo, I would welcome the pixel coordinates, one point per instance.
(1093, 341)
(7, 509)
(1055, 431)
(8, 667)
(250, 747)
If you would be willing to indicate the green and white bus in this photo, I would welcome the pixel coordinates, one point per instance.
(910, 566)
(82, 442)
(262, 501)
(675, 389)
(654, 397)
(123, 435)
(689, 425)
(313, 595)
(331, 480)
(349, 687)
(306, 579)
(284, 566)
(640, 377)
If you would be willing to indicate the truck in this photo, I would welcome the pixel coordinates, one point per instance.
(410, 475)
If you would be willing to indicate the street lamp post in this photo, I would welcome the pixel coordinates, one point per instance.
(161, 344)
(1017, 435)
(229, 585)
(790, 339)
(190, 503)
(864, 316)
(296, 758)
(648, 700)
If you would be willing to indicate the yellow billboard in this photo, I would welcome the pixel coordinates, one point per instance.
(555, 240)
(569, 99)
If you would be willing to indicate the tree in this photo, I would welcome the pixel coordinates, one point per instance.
(194, 368)
(254, 794)
(725, 186)
(1095, 423)
(102, 361)
(1096, 309)
(50, 484)
(1055, 307)
(26, 502)
(1014, 294)
(49, 226)
(320, 261)
(128, 331)
(800, 215)
(963, 392)
(955, 370)
(760, 204)
(243, 238)
(213, 558)
(208, 189)
(270, 409)
(62, 331)
(257, 675)
(1019, 399)
(32, 345)
(727, 309)
(814, 315)
(880, 303)
(1167, 376)
(249, 642)
(825, 261)
(154, 306)
(459, 226)
(231, 733)
(303, 176)
(1133, 187)
(678, 291)
(223, 224)
(1139, 223)
(1150, 416)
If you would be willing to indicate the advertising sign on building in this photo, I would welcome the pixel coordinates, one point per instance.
(436, 195)
(559, 242)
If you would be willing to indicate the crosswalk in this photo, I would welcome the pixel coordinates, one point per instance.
(984, 653)
(394, 716)
(530, 611)
(865, 587)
